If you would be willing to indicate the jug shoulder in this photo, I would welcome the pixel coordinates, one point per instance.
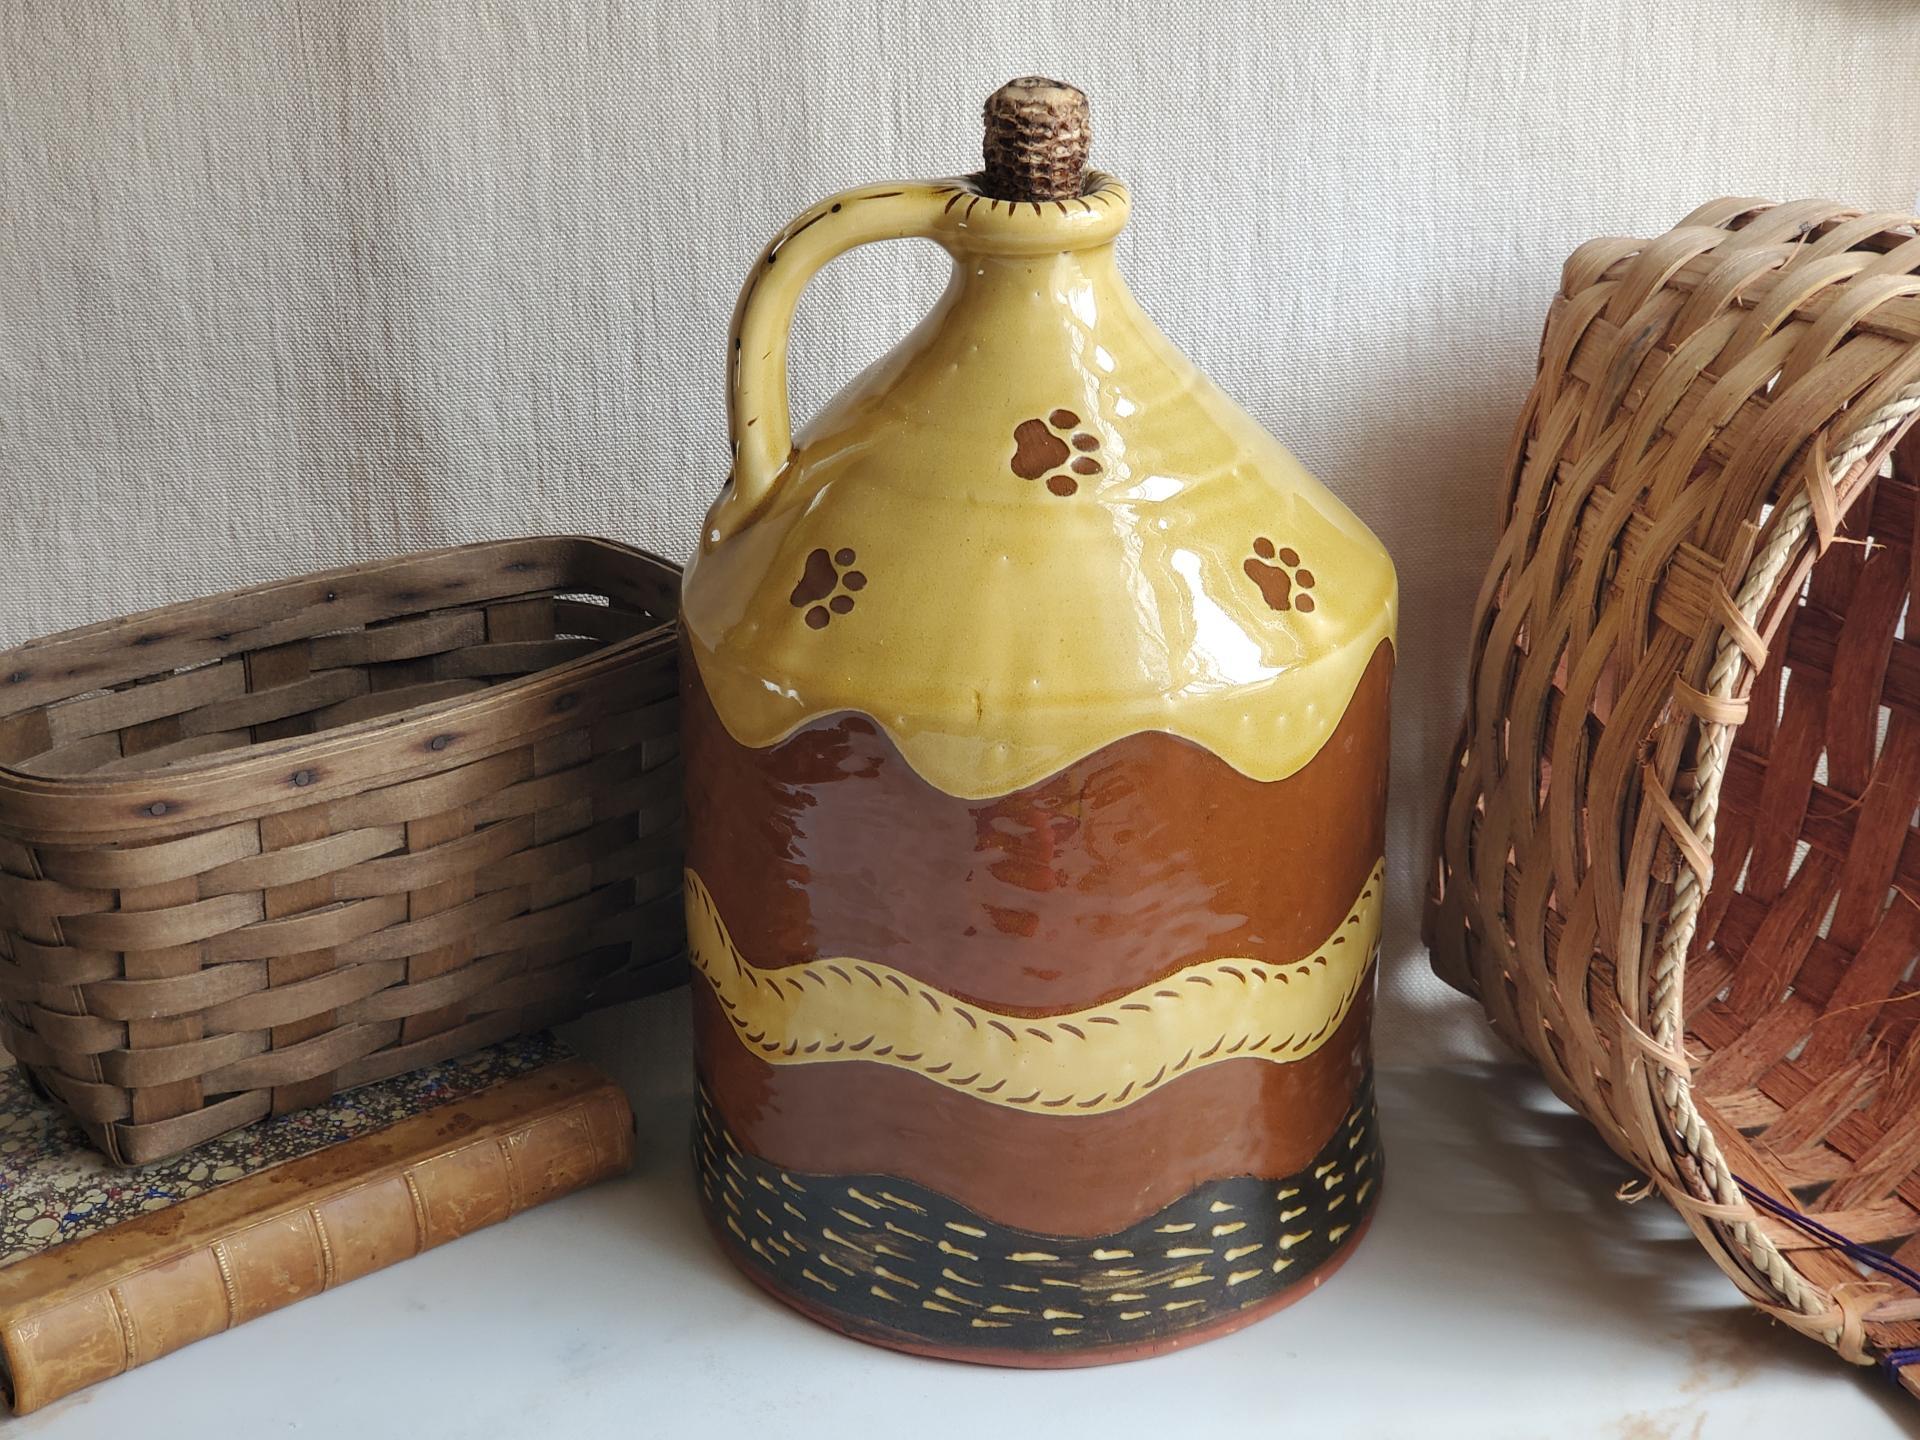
(1002, 609)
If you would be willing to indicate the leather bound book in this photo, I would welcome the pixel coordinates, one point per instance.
(102, 1269)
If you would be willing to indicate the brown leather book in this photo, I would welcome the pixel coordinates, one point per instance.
(218, 1236)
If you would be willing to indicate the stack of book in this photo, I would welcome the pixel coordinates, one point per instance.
(104, 1268)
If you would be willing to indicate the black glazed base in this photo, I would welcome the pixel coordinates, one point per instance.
(892, 1262)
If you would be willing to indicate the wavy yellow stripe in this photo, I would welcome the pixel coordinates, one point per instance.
(1086, 1062)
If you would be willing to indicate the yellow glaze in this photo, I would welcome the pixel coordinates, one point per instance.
(1086, 1062)
(1032, 529)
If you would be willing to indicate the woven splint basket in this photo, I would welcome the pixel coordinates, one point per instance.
(1679, 863)
(261, 847)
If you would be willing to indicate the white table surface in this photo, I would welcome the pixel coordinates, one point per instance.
(1503, 1292)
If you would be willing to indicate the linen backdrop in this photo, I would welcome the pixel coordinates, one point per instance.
(286, 285)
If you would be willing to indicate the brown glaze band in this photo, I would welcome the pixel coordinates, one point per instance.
(1053, 1174)
(1129, 864)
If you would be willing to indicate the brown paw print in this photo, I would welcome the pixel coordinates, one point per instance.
(1284, 586)
(1043, 446)
(827, 578)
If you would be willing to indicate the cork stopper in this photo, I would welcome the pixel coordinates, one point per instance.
(1037, 136)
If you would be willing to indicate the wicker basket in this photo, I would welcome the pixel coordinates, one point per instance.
(1679, 865)
(261, 847)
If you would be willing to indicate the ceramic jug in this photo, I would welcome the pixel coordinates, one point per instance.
(1035, 730)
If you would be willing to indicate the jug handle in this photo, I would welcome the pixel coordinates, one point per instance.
(758, 420)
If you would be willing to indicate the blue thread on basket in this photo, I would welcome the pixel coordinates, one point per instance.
(1892, 1361)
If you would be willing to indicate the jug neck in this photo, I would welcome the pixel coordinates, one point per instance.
(987, 275)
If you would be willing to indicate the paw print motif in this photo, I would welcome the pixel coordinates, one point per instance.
(1042, 448)
(828, 578)
(1283, 586)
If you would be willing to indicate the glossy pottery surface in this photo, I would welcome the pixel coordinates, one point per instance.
(1035, 730)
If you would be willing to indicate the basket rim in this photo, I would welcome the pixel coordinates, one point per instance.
(1769, 579)
(255, 761)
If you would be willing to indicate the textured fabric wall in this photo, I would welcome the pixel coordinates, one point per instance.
(285, 285)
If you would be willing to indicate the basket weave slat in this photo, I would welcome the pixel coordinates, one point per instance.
(259, 848)
(1679, 864)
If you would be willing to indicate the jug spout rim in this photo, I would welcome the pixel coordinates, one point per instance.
(973, 220)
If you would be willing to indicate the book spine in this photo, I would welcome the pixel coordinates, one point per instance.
(309, 1247)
